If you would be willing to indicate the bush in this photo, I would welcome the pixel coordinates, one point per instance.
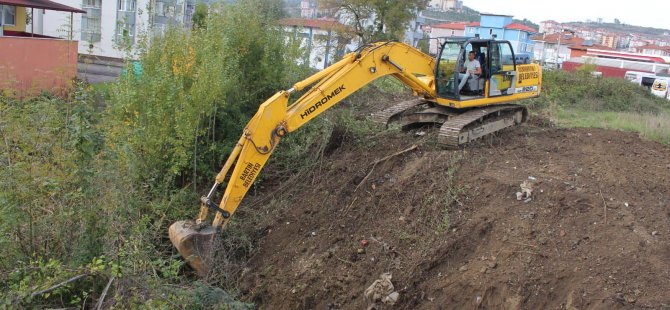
(91, 188)
(182, 116)
(580, 90)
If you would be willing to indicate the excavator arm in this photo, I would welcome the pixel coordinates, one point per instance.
(275, 118)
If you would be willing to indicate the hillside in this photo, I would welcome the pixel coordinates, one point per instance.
(447, 226)
(467, 15)
(624, 28)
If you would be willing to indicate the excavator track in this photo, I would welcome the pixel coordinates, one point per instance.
(457, 127)
(387, 115)
(477, 123)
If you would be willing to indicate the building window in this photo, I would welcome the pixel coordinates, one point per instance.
(91, 21)
(9, 15)
(92, 4)
(126, 5)
(125, 30)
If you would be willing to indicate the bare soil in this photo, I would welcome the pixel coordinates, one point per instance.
(448, 226)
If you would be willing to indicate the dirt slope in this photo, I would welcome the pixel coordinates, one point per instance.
(449, 228)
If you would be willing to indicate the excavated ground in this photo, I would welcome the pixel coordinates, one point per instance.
(448, 226)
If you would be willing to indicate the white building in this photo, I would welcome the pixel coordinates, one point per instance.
(446, 5)
(320, 39)
(108, 27)
(308, 8)
(550, 27)
(456, 29)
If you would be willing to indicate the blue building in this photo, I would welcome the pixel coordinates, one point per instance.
(504, 29)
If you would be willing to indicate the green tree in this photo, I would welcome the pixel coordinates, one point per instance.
(528, 23)
(200, 15)
(376, 19)
(176, 123)
(89, 187)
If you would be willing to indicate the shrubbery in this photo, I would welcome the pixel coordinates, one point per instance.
(89, 188)
(582, 91)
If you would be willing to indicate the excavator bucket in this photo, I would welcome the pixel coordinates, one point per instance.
(195, 244)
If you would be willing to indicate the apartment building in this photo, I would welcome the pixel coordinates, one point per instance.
(446, 5)
(320, 38)
(110, 27)
(550, 27)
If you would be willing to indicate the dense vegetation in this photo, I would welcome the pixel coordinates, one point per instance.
(580, 100)
(90, 186)
(466, 15)
(91, 182)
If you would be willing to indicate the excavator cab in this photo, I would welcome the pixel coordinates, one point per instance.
(496, 57)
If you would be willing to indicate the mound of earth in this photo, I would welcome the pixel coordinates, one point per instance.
(447, 225)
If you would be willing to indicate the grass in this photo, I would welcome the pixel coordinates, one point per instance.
(579, 100)
(652, 126)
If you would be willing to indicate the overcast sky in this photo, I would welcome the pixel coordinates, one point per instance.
(648, 13)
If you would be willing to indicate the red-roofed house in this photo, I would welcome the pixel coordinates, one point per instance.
(653, 50)
(553, 49)
(583, 49)
(455, 29)
(321, 37)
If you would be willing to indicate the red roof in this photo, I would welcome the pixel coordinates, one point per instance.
(42, 4)
(588, 47)
(519, 26)
(310, 23)
(654, 47)
(565, 40)
(455, 26)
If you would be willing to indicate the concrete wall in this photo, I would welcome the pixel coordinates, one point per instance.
(24, 69)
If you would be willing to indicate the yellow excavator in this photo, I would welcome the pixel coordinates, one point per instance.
(465, 106)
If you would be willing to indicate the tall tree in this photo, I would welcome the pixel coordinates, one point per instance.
(376, 19)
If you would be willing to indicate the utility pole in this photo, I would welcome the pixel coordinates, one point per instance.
(326, 59)
(558, 48)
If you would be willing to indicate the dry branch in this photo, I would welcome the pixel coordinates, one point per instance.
(374, 164)
(104, 294)
(75, 278)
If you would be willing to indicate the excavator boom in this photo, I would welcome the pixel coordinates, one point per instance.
(276, 118)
